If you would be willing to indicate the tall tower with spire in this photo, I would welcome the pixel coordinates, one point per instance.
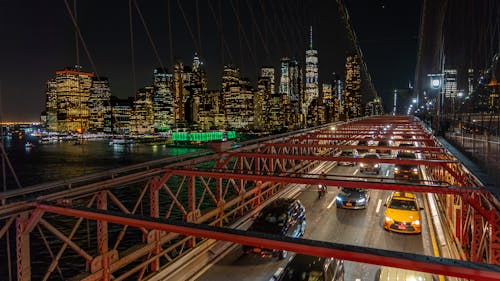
(312, 85)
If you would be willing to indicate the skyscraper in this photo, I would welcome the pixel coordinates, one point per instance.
(238, 99)
(178, 92)
(450, 89)
(291, 93)
(67, 100)
(100, 92)
(162, 100)
(352, 93)
(312, 86)
(142, 120)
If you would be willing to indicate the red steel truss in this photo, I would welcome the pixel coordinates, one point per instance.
(219, 189)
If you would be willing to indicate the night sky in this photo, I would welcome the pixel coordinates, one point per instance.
(37, 38)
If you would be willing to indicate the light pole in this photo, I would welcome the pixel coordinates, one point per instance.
(436, 84)
(395, 101)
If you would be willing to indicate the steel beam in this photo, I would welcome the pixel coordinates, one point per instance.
(331, 181)
(345, 159)
(23, 248)
(442, 266)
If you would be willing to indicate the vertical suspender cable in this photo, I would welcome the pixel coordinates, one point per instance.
(221, 30)
(264, 43)
(186, 21)
(245, 37)
(150, 38)
(199, 28)
(75, 24)
(170, 41)
(132, 51)
(76, 36)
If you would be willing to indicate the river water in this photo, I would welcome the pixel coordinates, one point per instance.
(63, 160)
(43, 163)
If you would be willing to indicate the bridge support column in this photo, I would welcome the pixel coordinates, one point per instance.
(23, 248)
(102, 237)
(154, 235)
(193, 213)
(220, 201)
(495, 242)
(477, 233)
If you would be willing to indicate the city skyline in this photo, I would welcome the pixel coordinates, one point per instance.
(32, 64)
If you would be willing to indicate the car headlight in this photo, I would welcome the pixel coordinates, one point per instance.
(417, 222)
(338, 198)
(361, 200)
(415, 171)
(389, 220)
(362, 165)
(376, 165)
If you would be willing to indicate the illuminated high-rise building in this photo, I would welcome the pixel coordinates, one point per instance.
(291, 93)
(100, 93)
(162, 100)
(312, 85)
(237, 99)
(450, 88)
(142, 120)
(119, 115)
(338, 97)
(178, 92)
(268, 72)
(211, 112)
(470, 81)
(352, 85)
(263, 104)
(67, 101)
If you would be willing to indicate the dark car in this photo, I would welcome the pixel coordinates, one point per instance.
(383, 151)
(370, 167)
(303, 267)
(362, 143)
(348, 153)
(286, 217)
(352, 198)
(406, 171)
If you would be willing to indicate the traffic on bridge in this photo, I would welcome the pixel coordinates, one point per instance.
(395, 198)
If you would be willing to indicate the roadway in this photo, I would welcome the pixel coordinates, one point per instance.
(328, 223)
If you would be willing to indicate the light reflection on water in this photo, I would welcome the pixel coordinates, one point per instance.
(49, 162)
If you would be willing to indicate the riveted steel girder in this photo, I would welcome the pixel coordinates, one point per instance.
(417, 262)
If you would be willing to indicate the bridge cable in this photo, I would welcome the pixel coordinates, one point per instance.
(132, 51)
(150, 38)
(242, 31)
(352, 35)
(199, 28)
(270, 28)
(77, 28)
(264, 43)
(171, 45)
(186, 21)
(220, 28)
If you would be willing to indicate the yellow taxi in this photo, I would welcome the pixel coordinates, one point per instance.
(402, 213)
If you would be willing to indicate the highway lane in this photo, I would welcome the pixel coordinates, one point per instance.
(326, 222)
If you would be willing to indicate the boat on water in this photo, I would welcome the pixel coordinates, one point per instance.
(121, 141)
(199, 139)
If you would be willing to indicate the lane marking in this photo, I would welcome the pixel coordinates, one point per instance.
(387, 173)
(331, 203)
(379, 203)
(357, 170)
